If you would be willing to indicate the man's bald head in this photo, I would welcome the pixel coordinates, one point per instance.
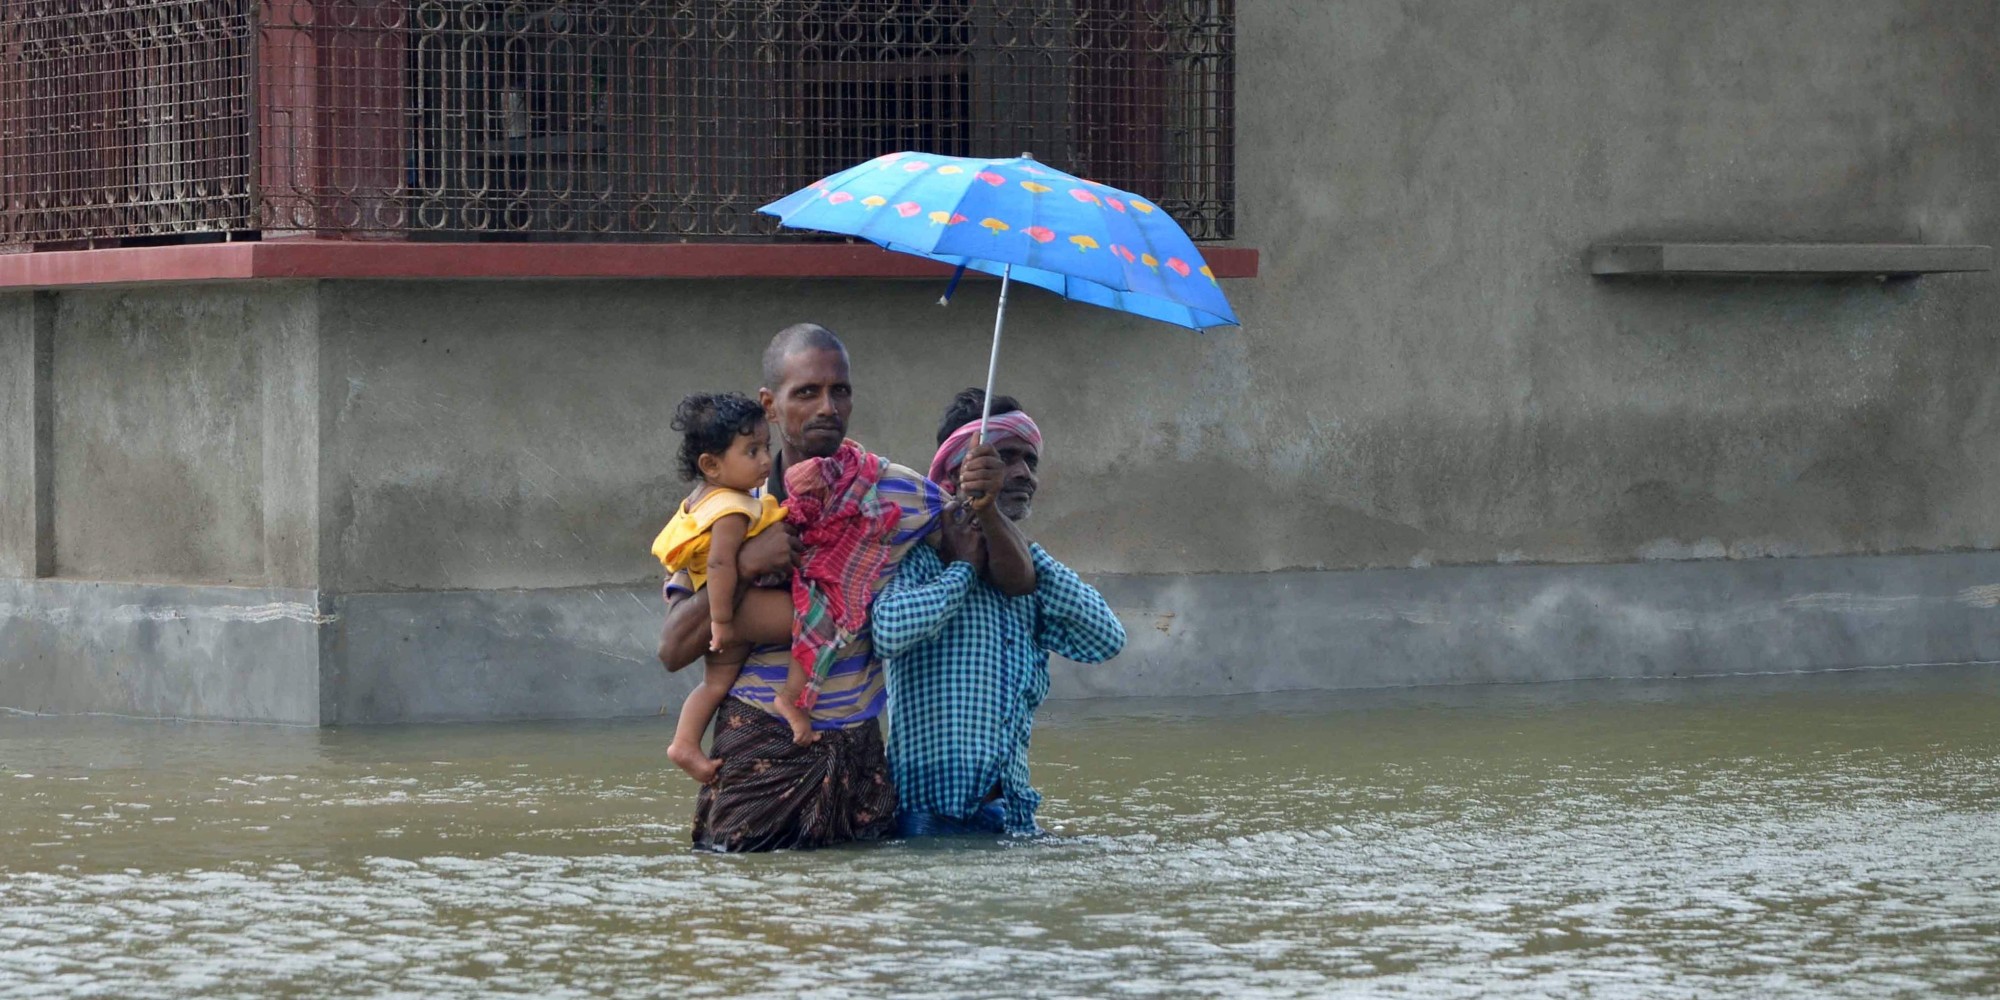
(807, 396)
(792, 340)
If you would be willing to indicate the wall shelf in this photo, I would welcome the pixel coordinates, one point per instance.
(1899, 260)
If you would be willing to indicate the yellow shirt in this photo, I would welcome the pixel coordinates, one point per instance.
(683, 543)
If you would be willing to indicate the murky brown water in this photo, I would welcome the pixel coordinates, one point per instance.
(1834, 834)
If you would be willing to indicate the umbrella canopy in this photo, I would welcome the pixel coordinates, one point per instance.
(1021, 219)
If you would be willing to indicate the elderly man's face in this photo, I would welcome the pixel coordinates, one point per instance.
(1017, 496)
(810, 405)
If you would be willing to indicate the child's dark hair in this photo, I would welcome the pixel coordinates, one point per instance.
(709, 424)
(966, 407)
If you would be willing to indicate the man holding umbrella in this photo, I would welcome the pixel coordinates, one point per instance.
(969, 661)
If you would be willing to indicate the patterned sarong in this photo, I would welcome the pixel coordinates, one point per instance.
(772, 794)
(846, 529)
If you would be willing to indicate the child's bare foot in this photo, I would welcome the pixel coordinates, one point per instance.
(803, 733)
(800, 720)
(689, 758)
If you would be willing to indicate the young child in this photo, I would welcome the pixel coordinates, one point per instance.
(726, 448)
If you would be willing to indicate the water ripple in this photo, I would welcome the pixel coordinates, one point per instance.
(1814, 840)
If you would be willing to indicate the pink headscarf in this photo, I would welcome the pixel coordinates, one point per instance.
(1000, 427)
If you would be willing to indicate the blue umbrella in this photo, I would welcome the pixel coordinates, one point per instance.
(1023, 221)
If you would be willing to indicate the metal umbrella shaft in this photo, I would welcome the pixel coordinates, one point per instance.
(993, 362)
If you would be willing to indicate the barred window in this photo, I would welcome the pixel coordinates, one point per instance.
(580, 119)
(123, 118)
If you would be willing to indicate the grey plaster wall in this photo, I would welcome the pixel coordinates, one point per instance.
(17, 435)
(1426, 377)
(160, 432)
(291, 415)
(485, 435)
(1218, 635)
(1426, 374)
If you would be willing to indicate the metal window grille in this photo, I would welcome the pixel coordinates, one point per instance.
(123, 118)
(597, 120)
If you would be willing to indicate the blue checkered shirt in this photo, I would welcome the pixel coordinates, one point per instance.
(968, 665)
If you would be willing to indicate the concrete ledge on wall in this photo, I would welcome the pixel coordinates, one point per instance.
(573, 653)
(588, 652)
(1896, 260)
(242, 654)
(1225, 634)
(270, 656)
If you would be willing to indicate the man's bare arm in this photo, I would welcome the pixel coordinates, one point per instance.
(684, 637)
(1010, 566)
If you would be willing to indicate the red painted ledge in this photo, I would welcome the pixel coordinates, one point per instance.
(352, 259)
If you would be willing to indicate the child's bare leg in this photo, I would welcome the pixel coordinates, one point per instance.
(764, 615)
(717, 677)
(788, 705)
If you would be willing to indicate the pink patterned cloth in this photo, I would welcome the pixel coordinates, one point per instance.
(846, 528)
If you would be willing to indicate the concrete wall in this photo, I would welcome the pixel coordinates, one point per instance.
(18, 528)
(484, 435)
(1426, 376)
(171, 436)
(162, 402)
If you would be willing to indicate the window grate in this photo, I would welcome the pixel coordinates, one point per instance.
(591, 120)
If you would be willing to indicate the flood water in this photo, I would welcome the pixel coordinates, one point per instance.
(1822, 835)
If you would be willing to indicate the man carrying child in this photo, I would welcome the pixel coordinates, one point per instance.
(770, 791)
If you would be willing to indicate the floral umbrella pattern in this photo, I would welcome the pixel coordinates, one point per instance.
(1075, 237)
